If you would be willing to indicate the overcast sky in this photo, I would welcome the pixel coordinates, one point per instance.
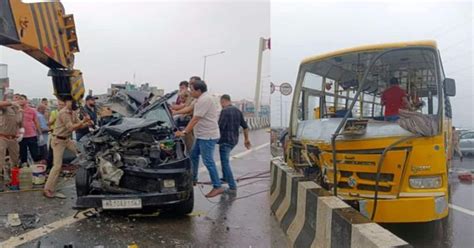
(306, 28)
(161, 42)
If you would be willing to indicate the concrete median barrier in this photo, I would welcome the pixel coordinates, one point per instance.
(247, 119)
(313, 217)
(257, 122)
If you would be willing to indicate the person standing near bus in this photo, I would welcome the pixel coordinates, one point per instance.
(394, 98)
(456, 147)
(230, 120)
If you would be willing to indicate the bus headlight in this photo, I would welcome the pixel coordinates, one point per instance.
(425, 182)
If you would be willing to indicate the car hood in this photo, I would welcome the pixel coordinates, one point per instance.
(128, 124)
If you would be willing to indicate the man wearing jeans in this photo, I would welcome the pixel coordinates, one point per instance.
(32, 128)
(206, 131)
(229, 122)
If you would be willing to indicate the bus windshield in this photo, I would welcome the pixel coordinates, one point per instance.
(328, 86)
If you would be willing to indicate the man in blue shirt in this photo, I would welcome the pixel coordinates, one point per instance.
(230, 120)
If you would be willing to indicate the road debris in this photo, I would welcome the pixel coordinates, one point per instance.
(465, 176)
(13, 219)
(132, 245)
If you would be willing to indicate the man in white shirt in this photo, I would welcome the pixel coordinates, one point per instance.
(205, 126)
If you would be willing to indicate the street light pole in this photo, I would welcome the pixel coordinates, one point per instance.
(205, 59)
(204, 69)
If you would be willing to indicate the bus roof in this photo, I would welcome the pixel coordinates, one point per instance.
(366, 48)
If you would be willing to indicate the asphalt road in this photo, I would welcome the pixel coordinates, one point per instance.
(455, 231)
(223, 221)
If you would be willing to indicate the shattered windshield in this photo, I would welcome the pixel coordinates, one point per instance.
(158, 113)
(329, 86)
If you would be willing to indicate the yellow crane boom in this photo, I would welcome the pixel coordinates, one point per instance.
(45, 32)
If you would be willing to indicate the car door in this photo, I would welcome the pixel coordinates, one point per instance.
(467, 142)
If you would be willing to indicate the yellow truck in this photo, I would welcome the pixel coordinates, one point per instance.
(338, 133)
(45, 32)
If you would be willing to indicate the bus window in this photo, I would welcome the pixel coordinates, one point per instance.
(368, 102)
(367, 109)
(378, 110)
(430, 104)
(300, 115)
(356, 111)
(313, 111)
(328, 106)
(341, 102)
(312, 81)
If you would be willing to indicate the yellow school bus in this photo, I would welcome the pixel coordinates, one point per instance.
(391, 171)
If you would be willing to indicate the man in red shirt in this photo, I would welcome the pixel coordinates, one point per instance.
(394, 98)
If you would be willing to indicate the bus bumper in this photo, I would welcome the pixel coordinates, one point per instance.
(404, 210)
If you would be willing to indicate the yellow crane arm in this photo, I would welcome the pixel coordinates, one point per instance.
(43, 31)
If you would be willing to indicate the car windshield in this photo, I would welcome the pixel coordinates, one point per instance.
(467, 136)
(158, 113)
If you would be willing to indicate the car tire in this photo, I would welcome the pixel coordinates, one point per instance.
(185, 207)
(82, 181)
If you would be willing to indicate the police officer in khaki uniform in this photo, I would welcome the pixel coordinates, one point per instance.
(10, 123)
(66, 123)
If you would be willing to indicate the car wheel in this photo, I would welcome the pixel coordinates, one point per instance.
(184, 207)
(82, 182)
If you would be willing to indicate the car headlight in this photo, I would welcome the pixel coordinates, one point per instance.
(425, 182)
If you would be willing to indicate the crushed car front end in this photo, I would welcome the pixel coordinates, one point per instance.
(136, 163)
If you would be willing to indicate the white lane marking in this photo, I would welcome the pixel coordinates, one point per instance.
(42, 231)
(461, 209)
(238, 155)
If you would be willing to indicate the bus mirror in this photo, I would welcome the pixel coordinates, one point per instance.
(449, 87)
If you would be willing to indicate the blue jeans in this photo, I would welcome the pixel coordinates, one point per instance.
(224, 152)
(205, 148)
(392, 118)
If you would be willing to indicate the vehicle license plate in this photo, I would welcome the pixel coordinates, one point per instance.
(122, 204)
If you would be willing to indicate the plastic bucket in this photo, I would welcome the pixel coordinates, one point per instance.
(39, 174)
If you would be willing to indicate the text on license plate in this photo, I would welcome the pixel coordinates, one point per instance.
(122, 204)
